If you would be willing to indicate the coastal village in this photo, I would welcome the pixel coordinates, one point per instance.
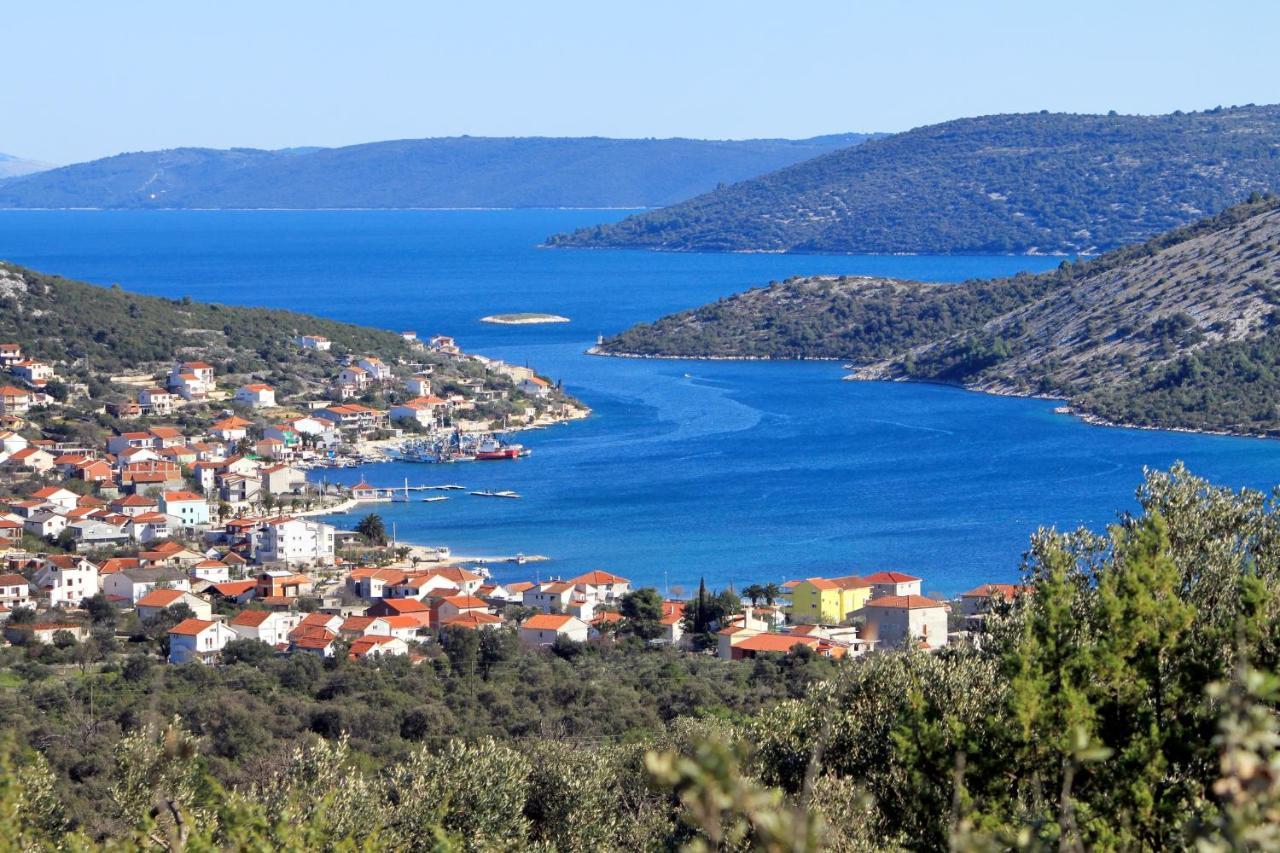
(205, 532)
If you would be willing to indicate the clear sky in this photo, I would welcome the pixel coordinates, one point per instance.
(88, 79)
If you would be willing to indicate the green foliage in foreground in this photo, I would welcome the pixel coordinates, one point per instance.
(1128, 702)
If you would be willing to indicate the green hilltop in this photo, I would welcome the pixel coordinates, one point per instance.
(1038, 182)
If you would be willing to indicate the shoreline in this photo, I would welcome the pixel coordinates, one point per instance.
(1086, 417)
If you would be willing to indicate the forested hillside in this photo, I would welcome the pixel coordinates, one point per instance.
(1180, 331)
(59, 319)
(449, 172)
(1049, 183)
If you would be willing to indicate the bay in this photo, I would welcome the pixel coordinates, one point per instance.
(732, 471)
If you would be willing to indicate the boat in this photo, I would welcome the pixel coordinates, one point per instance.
(491, 494)
(490, 449)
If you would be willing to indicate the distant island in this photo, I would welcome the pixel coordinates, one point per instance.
(526, 318)
(1182, 331)
(454, 172)
(1037, 183)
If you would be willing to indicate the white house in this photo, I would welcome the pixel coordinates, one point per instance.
(45, 524)
(14, 591)
(157, 601)
(418, 385)
(377, 370)
(67, 580)
(191, 380)
(892, 583)
(230, 429)
(63, 500)
(544, 628)
(268, 626)
(421, 409)
(316, 342)
(157, 401)
(602, 586)
(198, 640)
(295, 540)
(213, 571)
(535, 386)
(376, 645)
(37, 374)
(894, 621)
(189, 508)
(355, 376)
(129, 585)
(148, 527)
(258, 395)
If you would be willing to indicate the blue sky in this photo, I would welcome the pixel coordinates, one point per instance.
(83, 80)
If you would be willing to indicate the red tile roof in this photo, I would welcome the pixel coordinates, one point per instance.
(160, 598)
(547, 621)
(890, 577)
(904, 602)
(190, 627)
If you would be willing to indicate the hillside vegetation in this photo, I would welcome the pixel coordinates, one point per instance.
(61, 320)
(1049, 183)
(1123, 700)
(450, 172)
(1180, 331)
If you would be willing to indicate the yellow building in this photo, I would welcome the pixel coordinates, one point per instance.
(828, 601)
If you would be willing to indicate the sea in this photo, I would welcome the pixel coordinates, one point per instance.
(732, 472)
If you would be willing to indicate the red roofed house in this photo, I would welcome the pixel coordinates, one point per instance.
(892, 583)
(319, 643)
(544, 629)
(603, 586)
(757, 644)
(452, 606)
(389, 607)
(976, 602)
(188, 507)
(14, 591)
(258, 395)
(375, 645)
(157, 601)
(474, 620)
(894, 621)
(191, 380)
(230, 429)
(535, 386)
(268, 626)
(15, 401)
(198, 641)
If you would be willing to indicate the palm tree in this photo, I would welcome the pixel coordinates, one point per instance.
(770, 593)
(755, 592)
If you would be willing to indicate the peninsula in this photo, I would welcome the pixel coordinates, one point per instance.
(1181, 331)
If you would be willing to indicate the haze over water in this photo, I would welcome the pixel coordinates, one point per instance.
(737, 471)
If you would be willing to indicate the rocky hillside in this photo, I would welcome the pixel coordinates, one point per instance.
(1180, 331)
(1040, 182)
(418, 173)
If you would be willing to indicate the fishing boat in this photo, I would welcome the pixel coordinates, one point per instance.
(490, 449)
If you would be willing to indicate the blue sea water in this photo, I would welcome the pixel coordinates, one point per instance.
(732, 471)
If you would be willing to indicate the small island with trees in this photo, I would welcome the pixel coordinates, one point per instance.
(523, 318)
